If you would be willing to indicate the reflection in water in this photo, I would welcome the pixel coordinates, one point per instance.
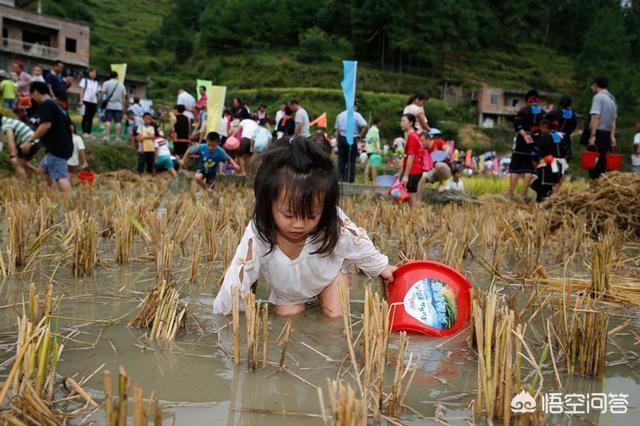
(194, 370)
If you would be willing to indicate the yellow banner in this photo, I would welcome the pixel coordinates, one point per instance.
(215, 106)
(121, 69)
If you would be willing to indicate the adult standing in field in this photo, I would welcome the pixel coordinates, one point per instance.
(347, 154)
(604, 112)
(22, 85)
(54, 132)
(411, 172)
(415, 107)
(527, 128)
(58, 84)
(113, 99)
(89, 95)
(301, 119)
(201, 103)
(185, 98)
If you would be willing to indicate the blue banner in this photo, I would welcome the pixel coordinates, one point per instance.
(349, 90)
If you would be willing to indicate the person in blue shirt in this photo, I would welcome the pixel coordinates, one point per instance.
(210, 155)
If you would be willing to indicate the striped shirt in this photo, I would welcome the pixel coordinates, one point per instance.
(21, 132)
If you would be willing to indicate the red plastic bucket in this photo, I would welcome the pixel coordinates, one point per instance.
(588, 160)
(86, 176)
(430, 298)
(613, 161)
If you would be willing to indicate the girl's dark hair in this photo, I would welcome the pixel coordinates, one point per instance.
(305, 173)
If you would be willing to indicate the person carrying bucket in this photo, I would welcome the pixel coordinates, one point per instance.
(602, 127)
(373, 152)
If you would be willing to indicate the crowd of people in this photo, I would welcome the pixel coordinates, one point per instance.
(183, 138)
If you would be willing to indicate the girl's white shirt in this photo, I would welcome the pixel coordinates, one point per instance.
(294, 281)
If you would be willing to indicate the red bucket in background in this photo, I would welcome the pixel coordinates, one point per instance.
(430, 298)
(588, 160)
(613, 161)
(86, 176)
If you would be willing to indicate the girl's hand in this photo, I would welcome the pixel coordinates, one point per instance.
(387, 274)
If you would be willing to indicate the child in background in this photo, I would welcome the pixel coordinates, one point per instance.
(146, 136)
(373, 147)
(262, 136)
(455, 184)
(8, 87)
(78, 152)
(299, 239)
(210, 157)
(635, 151)
(547, 169)
(163, 156)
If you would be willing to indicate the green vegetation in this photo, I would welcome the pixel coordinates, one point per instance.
(269, 50)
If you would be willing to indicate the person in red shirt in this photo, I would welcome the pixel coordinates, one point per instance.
(411, 171)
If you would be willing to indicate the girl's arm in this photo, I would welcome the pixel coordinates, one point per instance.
(243, 272)
(359, 250)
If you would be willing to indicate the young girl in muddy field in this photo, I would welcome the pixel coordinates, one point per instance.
(299, 239)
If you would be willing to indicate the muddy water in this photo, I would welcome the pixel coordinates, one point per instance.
(198, 383)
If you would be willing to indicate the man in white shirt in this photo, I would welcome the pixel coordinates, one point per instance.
(347, 154)
(301, 119)
(189, 102)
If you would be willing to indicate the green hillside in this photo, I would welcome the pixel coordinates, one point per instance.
(295, 49)
(120, 33)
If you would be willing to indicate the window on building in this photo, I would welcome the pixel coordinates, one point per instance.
(494, 99)
(70, 45)
(514, 102)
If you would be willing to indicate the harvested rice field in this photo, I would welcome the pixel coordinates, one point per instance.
(106, 313)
